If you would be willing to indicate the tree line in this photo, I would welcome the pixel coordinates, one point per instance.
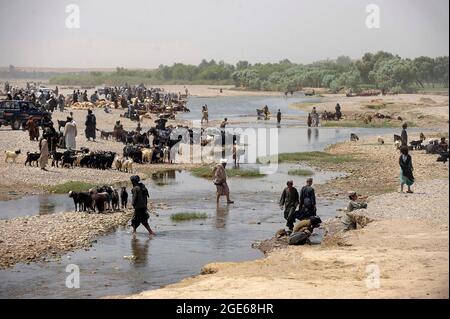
(381, 70)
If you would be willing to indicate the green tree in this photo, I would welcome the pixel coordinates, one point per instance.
(395, 72)
(425, 70)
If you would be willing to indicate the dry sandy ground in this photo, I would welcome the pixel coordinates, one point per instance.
(422, 109)
(407, 243)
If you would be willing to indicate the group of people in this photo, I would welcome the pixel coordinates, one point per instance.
(298, 206)
(302, 207)
(44, 99)
(51, 139)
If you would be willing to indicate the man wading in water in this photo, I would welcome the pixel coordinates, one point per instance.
(139, 202)
(220, 180)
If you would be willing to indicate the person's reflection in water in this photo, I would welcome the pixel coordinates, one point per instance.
(309, 135)
(171, 174)
(140, 249)
(164, 178)
(46, 206)
(316, 134)
(221, 216)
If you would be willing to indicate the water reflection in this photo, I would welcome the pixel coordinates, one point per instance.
(46, 205)
(222, 216)
(316, 134)
(140, 249)
(164, 177)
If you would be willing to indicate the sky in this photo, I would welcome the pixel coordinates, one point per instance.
(147, 33)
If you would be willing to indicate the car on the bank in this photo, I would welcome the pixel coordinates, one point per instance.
(16, 113)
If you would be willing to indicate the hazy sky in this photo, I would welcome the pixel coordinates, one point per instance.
(146, 33)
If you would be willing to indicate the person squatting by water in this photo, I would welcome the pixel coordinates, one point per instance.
(220, 180)
(355, 203)
(348, 220)
(303, 230)
(139, 202)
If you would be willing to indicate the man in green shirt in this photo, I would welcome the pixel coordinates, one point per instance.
(354, 203)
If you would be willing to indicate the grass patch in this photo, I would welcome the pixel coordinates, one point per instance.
(300, 172)
(203, 172)
(70, 186)
(312, 157)
(183, 216)
(206, 172)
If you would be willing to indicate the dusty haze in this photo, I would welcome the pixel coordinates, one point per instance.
(138, 33)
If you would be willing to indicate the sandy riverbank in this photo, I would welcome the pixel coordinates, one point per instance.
(424, 110)
(407, 242)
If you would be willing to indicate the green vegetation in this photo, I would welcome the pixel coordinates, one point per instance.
(206, 172)
(70, 186)
(381, 70)
(179, 217)
(300, 172)
(312, 157)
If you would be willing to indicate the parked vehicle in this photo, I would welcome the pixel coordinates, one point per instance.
(16, 113)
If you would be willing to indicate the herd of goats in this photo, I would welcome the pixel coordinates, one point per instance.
(159, 144)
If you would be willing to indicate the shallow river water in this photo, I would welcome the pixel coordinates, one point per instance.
(180, 249)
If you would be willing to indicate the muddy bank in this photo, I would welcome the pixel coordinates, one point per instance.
(46, 237)
(411, 262)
